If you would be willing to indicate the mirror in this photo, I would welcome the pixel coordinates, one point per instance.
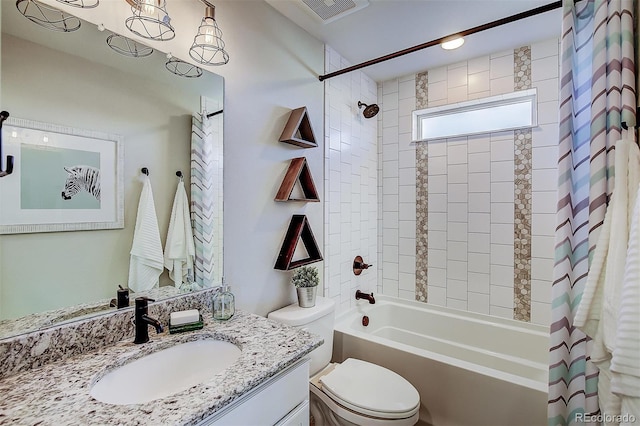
(77, 81)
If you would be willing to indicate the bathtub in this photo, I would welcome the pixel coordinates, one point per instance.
(470, 369)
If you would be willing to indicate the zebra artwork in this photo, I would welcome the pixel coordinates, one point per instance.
(80, 178)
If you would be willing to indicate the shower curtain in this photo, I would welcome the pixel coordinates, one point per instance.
(597, 93)
(203, 175)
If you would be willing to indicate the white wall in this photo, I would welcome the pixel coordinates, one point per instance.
(470, 229)
(273, 68)
(351, 204)
(2, 160)
(397, 189)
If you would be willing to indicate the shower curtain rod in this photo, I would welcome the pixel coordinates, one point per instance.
(493, 24)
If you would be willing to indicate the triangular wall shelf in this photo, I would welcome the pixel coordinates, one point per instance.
(298, 129)
(299, 229)
(298, 171)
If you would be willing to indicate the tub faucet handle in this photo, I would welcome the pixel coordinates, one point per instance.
(359, 265)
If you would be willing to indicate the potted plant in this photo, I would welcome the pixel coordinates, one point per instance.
(306, 280)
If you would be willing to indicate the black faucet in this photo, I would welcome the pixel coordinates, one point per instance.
(143, 321)
(369, 297)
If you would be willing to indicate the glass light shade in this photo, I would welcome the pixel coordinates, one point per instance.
(454, 43)
(150, 20)
(208, 46)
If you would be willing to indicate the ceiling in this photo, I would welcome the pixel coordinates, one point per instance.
(386, 26)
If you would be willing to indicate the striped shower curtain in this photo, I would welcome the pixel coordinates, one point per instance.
(203, 175)
(597, 93)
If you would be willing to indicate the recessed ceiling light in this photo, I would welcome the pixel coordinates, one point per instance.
(453, 43)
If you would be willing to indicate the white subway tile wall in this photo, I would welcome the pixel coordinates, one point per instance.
(470, 190)
(397, 187)
(351, 196)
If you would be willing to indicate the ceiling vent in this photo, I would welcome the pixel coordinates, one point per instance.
(327, 11)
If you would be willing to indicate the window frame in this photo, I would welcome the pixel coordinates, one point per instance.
(527, 98)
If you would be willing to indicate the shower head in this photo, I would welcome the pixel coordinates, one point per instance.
(369, 110)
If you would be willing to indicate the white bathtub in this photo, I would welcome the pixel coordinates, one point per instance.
(470, 369)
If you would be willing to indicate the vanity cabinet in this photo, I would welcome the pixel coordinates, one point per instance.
(282, 400)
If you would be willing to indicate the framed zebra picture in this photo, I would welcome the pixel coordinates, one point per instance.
(64, 179)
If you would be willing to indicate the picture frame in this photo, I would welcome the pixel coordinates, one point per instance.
(64, 179)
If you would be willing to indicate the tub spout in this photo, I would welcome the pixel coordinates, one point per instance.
(369, 297)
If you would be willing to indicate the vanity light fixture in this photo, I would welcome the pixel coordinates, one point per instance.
(127, 47)
(452, 43)
(84, 4)
(208, 47)
(182, 68)
(150, 20)
(47, 16)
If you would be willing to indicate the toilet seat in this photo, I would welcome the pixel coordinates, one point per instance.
(352, 417)
(370, 390)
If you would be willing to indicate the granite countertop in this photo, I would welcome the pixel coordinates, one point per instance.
(58, 393)
(40, 320)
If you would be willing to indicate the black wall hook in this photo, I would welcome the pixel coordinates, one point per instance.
(179, 174)
(214, 114)
(145, 171)
(3, 116)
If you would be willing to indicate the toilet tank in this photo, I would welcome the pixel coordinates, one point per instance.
(318, 320)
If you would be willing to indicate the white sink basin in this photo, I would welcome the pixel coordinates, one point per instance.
(165, 372)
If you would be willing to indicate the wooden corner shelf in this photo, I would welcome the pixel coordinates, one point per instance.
(298, 129)
(298, 172)
(299, 229)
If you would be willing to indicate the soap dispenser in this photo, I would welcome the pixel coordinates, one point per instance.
(189, 285)
(224, 303)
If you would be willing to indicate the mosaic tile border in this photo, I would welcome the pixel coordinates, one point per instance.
(422, 199)
(522, 197)
(422, 90)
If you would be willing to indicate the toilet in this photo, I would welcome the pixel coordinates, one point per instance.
(353, 392)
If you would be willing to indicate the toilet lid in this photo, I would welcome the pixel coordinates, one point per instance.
(371, 389)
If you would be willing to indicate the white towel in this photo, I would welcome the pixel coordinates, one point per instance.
(145, 265)
(629, 180)
(607, 267)
(179, 249)
(625, 362)
(597, 314)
